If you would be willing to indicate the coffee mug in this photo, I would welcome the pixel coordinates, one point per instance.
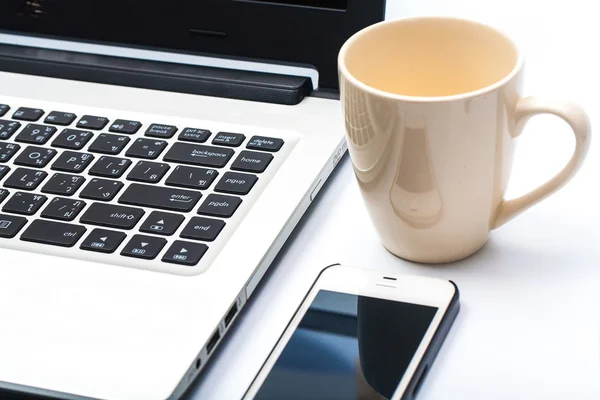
(433, 108)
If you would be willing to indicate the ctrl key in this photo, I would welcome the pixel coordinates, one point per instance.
(53, 233)
(10, 225)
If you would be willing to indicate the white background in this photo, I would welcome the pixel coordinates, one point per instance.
(529, 326)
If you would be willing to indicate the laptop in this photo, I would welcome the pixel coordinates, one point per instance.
(154, 158)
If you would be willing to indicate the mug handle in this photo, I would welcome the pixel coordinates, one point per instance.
(578, 120)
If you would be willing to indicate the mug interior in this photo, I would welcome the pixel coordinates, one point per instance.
(429, 57)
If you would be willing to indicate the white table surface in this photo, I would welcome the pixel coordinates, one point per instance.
(529, 327)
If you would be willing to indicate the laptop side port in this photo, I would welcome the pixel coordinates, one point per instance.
(231, 314)
(213, 342)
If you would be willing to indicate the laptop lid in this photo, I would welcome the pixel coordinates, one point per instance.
(297, 32)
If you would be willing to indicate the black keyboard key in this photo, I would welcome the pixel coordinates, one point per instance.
(236, 183)
(72, 161)
(145, 247)
(3, 109)
(109, 144)
(264, 143)
(3, 171)
(112, 216)
(73, 139)
(53, 233)
(191, 177)
(101, 189)
(63, 184)
(146, 148)
(160, 197)
(218, 205)
(194, 135)
(146, 171)
(206, 156)
(7, 151)
(24, 203)
(251, 161)
(8, 128)
(162, 223)
(185, 253)
(92, 122)
(229, 139)
(35, 134)
(125, 126)
(110, 167)
(200, 228)
(60, 118)
(28, 114)
(25, 179)
(161, 131)
(10, 225)
(34, 156)
(3, 194)
(63, 209)
(103, 241)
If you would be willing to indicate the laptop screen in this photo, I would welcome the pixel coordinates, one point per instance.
(298, 32)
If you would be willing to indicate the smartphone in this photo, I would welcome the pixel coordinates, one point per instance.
(359, 334)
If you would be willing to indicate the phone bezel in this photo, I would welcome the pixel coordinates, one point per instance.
(371, 283)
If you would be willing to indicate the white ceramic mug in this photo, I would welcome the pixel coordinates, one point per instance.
(433, 107)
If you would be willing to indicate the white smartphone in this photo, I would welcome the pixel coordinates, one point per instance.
(359, 334)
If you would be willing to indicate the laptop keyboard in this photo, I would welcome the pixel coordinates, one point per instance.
(143, 190)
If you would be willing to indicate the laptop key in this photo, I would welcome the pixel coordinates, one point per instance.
(194, 135)
(218, 205)
(25, 179)
(190, 177)
(200, 228)
(4, 109)
(53, 233)
(10, 225)
(161, 131)
(63, 209)
(24, 203)
(34, 156)
(185, 253)
(236, 183)
(28, 114)
(103, 241)
(92, 122)
(109, 144)
(3, 194)
(205, 156)
(112, 216)
(60, 118)
(125, 126)
(160, 197)
(162, 223)
(73, 139)
(8, 128)
(145, 247)
(229, 139)
(264, 143)
(63, 184)
(146, 171)
(101, 189)
(72, 161)
(146, 148)
(34, 134)
(7, 151)
(252, 161)
(110, 167)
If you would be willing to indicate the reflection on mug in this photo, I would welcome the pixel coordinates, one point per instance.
(414, 195)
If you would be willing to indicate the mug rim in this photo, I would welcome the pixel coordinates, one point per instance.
(343, 70)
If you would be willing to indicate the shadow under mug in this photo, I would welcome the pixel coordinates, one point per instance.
(432, 108)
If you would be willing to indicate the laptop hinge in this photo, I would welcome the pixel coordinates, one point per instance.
(165, 76)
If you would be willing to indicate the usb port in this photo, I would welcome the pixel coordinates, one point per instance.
(213, 342)
(230, 314)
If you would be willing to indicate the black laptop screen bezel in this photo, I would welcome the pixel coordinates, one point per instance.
(263, 30)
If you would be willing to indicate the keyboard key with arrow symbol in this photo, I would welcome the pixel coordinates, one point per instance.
(162, 223)
(103, 241)
(185, 253)
(145, 247)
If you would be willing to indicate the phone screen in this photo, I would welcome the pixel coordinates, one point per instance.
(348, 347)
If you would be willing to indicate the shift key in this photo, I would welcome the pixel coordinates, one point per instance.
(112, 216)
(160, 197)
